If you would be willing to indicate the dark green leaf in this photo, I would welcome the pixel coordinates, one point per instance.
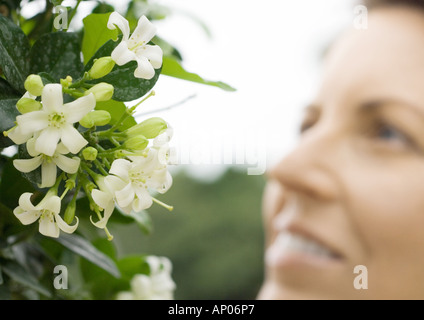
(58, 54)
(12, 185)
(116, 110)
(8, 113)
(85, 249)
(127, 87)
(171, 67)
(20, 275)
(6, 90)
(96, 34)
(14, 52)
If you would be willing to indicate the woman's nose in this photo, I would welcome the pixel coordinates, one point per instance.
(312, 168)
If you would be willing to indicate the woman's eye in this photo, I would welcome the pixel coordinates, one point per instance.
(389, 134)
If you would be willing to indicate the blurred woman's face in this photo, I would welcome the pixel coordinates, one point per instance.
(352, 192)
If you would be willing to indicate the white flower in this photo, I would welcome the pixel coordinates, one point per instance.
(47, 211)
(148, 57)
(48, 164)
(156, 286)
(132, 180)
(54, 122)
(104, 198)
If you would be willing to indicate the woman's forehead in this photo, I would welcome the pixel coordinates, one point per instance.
(385, 58)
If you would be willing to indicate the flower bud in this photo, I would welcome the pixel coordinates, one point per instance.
(34, 85)
(95, 118)
(101, 67)
(89, 154)
(25, 105)
(102, 91)
(70, 212)
(149, 128)
(136, 143)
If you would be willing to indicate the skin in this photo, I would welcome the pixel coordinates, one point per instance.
(356, 180)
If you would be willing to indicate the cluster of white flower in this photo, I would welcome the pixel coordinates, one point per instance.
(158, 285)
(63, 135)
(130, 182)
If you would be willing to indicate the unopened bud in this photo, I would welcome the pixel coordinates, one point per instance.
(95, 118)
(70, 212)
(34, 85)
(149, 128)
(136, 143)
(25, 105)
(101, 67)
(89, 154)
(102, 91)
(66, 82)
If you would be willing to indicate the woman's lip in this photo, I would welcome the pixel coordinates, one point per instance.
(297, 249)
(296, 228)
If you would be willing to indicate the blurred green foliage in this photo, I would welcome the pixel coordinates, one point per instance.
(213, 237)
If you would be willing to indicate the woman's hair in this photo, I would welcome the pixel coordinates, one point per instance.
(370, 4)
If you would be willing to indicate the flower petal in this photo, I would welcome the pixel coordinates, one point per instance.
(144, 69)
(105, 201)
(26, 217)
(52, 97)
(25, 202)
(30, 145)
(47, 141)
(52, 203)
(126, 210)
(18, 137)
(143, 200)
(122, 55)
(67, 164)
(48, 226)
(125, 196)
(116, 20)
(74, 111)
(153, 53)
(48, 174)
(32, 122)
(27, 165)
(102, 199)
(61, 149)
(114, 183)
(120, 168)
(64, 226)
(143, 33)
(162, 180)
(72, 139)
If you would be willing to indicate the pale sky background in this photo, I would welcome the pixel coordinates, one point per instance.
(269, 50)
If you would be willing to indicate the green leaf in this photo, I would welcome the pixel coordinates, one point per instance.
(14, 52)
(132, 265)
(116, 110)
(20, 275)
(85, 249)
(144, 221)
(58, 54)
(7, 91)
(127, 87)
(12, 185)
(171, 67)
(8, 113)
(96, 34)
